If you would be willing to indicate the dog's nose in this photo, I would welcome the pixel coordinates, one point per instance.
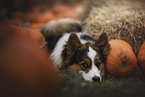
(96, 79)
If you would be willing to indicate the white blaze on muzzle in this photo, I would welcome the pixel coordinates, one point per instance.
(94, 71)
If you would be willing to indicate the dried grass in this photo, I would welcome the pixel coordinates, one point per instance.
(121, 19)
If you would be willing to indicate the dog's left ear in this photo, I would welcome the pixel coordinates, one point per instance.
(103, 45)
(73, 42)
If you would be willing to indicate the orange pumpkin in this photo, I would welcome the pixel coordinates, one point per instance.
(13, 21)
(18, 14)
(141, 58)
(36, 26)
(41, 18)
(121, 59)
(58, 9)
(25, 68)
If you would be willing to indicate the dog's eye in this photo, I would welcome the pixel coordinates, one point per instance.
(97, 64)
(84, 65)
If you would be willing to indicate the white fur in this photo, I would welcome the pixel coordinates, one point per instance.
(56, 53)
(94, 70)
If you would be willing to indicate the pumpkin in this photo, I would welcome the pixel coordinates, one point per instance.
(41, 17)
(68, 14)
(36, 26)
(25, 68)
(13, 21)
(59, 9)
(121, 59)
(63, 11)
(141, 58)
(18, 14)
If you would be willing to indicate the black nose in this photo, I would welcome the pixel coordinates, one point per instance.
(96, 79)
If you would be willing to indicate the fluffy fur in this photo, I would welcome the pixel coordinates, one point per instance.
(76, 50)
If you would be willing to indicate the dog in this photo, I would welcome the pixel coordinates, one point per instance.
(71, 48)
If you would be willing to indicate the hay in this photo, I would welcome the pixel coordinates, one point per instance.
(120, 19)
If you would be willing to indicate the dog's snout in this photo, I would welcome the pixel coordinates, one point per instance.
(96, 79)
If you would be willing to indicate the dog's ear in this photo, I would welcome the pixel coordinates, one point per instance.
(73, 42)
(102, 44)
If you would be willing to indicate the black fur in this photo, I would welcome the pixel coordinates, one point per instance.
(87, 37)
(51, 41)
(75, 57)
(102, 58)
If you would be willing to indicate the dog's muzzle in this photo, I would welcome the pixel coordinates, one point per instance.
(96, 79)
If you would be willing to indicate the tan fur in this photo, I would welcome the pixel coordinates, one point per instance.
(75, 67)
(86, 60)
(97, 59)
(79, 67)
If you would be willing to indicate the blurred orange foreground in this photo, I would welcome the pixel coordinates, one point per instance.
(25, 70)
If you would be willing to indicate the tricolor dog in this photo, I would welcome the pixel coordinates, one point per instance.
(77, 50)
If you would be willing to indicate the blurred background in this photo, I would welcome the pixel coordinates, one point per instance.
(35, 13)
(120, 19)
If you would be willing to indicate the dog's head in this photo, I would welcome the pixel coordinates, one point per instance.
(88, 59)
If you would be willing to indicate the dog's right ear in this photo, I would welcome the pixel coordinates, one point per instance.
(102, 44)
(73, 42)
